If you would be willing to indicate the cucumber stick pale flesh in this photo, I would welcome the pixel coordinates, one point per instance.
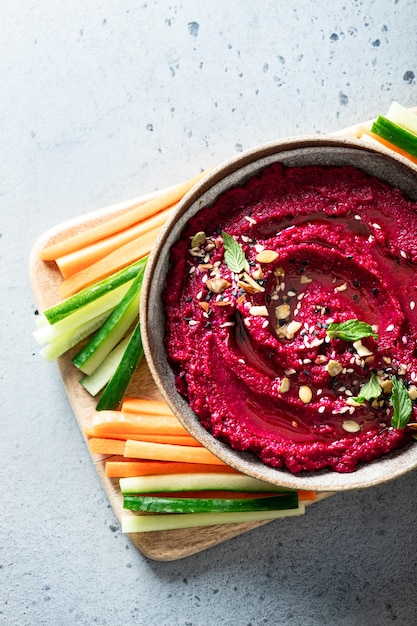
(113, 330)
(196, 482)
(148, 523)
(95, 382)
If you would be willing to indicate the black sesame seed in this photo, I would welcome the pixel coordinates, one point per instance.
(356, 297)
(189, 299)
(349, 257)
(301, 270)
(356, 283)
(327, 310)
(304, 262)
(374, 291)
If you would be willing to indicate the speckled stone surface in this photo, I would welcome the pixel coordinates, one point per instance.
(102, 101)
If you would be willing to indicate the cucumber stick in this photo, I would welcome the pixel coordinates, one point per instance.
(172, 521)
(71, 338)
(403, 117)
(196, 482)
(395, 134)
(116, 387)
(47, 333)
(160, 504)
(84, 297)
(112, 331)
(96, 381)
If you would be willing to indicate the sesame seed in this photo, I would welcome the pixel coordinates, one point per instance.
(389, 328)
(376, 226)
(412, 305)
(403, 254)
(321, 409)
(358, 217)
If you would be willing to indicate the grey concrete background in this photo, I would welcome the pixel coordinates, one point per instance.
(102, 101)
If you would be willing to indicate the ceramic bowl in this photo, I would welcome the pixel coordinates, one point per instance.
(293, 152)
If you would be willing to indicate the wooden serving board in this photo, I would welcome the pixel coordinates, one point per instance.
(45, 279)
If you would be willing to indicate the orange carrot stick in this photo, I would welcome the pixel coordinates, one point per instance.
(179, 440)
(144, 406)
(110, 264)
(364, 131)
(139, 424)
(124, 469)
(139, 212)
(307, 495)
(106, 446)
(168, 452)
(78, 260)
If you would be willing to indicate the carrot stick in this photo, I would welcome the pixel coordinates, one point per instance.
(74, 262)
(307, 495)
(106, 446)
(364, 131)
(139, 212)
(110, 264)
(139, 424)
(179, 440)
(142, 405)
(124, 469)
(168, 452)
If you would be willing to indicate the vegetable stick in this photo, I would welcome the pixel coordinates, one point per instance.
(142, 405)
(126, 468)
(76, 261)
(142, 425)
(364, 131)
(173, 503)
(179, 440)
(171, 521)
(138, 212)
(110, 264)
(168, 452)
(106, 446)
(218, 481)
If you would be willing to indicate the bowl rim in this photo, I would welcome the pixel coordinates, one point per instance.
(375, 472)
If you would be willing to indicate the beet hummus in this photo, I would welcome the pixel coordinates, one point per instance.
(259, 290)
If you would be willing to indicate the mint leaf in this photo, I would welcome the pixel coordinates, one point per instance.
(401, 404)
(370, 390)
(352, 330)
(233, 254)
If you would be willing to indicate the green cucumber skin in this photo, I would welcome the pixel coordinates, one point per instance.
(111, 325)
(68, 306)
(116, 387)
(158, 504)
(400, 137)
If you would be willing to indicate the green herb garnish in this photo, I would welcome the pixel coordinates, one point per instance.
(401, 404)
(233, 254)
(370, 390)
(352, 330)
